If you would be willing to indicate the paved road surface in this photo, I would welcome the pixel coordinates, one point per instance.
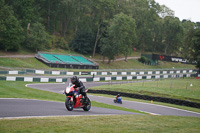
(17, 56)
(120, 59)
(146, 107)
(11, 107)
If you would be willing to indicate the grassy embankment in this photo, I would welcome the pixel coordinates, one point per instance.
(104, 124)
(131, 64)
(18, 90)
(170, 88)
(33, 63)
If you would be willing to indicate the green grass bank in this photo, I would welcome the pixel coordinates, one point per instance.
(183, 89)
(103, 124)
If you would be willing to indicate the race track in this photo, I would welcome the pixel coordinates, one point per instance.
(145, 107)
(12, 108)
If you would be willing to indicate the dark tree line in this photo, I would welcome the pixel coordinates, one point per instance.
(107, 27)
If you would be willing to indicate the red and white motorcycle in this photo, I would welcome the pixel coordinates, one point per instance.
(74, 99)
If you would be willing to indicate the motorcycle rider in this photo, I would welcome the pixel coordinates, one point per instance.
(118, 95)
(79, 85)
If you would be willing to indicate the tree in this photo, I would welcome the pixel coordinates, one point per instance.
(37, 37)
(122, 30)
(25, 11)
(165, 11)
(83, 42)
(101, 11)
(108, 48)
(192, 46)
(196, 50)
(11, 32)
(173, 34)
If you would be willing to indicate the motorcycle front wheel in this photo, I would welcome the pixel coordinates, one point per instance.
(69, 104)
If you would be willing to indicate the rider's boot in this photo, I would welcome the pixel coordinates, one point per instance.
(84, 98)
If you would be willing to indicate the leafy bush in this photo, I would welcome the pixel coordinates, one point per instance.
(37, 38)
(142, 59)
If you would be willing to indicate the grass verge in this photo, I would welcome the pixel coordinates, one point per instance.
(18, 90)
(106, 124)
(170, 88)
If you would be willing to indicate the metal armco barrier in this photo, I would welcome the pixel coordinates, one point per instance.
(145, 97)
(91, 79)
(105, 73)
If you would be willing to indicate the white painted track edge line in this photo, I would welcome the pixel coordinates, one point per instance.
(149, 112)
(23, 117)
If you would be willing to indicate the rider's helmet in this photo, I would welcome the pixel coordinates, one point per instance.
(118, 95)
(74, 79)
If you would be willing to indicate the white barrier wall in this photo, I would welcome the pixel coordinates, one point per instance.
(139, 77)
(39, 72)
(28, 79)
(10, 78)
(44, 80)
(119, 78)
(114, 73)
(149, 72)
(12, 72)
(107, 78)
(55, 72)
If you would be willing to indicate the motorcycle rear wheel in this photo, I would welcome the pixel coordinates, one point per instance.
(69, 104)
(87, 105)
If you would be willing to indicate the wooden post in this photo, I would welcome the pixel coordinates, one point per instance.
(157, 83)
(171, 84)
(186, 85)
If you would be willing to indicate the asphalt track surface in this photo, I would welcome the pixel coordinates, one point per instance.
(145, 107)
(23, 108)
(20, 108)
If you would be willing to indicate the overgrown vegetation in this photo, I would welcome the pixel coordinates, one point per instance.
(107, 27)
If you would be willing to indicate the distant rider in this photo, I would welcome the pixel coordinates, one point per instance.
(118, 96)
(79, 86)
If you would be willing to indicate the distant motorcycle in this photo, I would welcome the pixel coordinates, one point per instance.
(118, 100)
(74, 99)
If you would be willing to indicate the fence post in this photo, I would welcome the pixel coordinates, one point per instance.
(186, 85)
(171, 84)
(157, 83)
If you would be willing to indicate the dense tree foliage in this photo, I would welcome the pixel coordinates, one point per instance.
(108, 27)
(121, 36)
(37, 38)
(192, 45)
(11, 32)
(83, 42)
